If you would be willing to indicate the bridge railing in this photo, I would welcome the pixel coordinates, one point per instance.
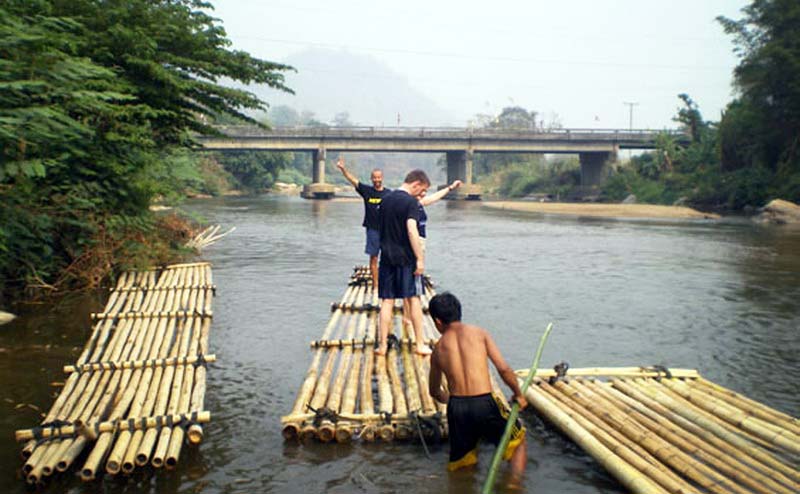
(444, 132)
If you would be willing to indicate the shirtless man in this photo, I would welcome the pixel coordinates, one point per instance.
(473, 413)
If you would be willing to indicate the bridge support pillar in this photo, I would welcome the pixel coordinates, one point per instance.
(318, 189)
(594, 167)
(459, 167)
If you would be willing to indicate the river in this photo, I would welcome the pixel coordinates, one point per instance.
(720, 297)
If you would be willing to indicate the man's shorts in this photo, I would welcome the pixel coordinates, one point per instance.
(472, 418)
(398, 282)
(373, 247)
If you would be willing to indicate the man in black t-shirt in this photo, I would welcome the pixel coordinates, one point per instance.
(372, 195)
(402, 258)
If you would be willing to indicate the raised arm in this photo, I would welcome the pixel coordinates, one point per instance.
(428, 200)
(505, 371)
(349, 176)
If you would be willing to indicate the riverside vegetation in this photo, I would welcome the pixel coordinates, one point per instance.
(99, 100)
(749, 156)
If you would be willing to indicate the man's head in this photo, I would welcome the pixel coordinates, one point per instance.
(417, 183)
(444, 309)
(377, 178)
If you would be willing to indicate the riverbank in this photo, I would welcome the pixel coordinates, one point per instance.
(603, 210)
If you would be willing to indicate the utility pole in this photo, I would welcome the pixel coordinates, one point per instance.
(630, 104)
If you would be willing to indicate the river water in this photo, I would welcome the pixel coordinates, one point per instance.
(720, 297)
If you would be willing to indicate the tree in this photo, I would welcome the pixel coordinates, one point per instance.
(767, 111)
(93, 97)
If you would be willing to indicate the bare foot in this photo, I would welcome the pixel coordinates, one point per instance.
(423, 351)
(380, 351)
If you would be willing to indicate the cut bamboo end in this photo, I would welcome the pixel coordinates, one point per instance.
(195, 434)
(290, 432)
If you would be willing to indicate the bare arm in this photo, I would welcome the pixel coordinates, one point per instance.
(428, 200)
(349, 176)
(505, 371)
(435, 382)
(413, 237)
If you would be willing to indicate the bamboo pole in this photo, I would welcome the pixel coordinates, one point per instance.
(399, 400)
(625, 389)
(678, 460)
(696, 447)
(628, 476)
(195, 431)
(617, 443)
(708, 422)
(140, 346)
(385, 398)
(609, 372)
(148, 441)
(722, 458)
(178, 433)
(488, 486)
(784, 439)
(344, 429)
(131, 455)
(159, 456)
(322, 389)
(740, 401)
(114, 462)
(367, 404)
(327, 429)
(138, 364)
(292, 430)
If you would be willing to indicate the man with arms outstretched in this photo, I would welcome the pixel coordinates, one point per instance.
(402, 260)
(473, 413)
(372, 195)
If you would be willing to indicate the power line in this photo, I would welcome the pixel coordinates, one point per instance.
(484, 57)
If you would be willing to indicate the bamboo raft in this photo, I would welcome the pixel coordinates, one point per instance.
(349, 393)
(671, 431)
(138, 387)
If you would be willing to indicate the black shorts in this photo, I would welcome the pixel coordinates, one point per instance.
(398, 282)
(472, 418)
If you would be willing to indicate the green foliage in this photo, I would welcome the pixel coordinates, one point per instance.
(254, 170)
(95, 98)
(765, 119)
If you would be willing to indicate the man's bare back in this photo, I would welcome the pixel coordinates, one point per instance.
(462, 354)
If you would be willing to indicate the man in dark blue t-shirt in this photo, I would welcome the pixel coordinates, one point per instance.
(402, 258)
(372, 195)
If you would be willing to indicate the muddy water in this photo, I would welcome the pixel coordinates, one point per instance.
(723, 298)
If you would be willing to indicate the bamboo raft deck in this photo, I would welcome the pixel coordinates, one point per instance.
(138, 387)
(350, 393)
(660, 431)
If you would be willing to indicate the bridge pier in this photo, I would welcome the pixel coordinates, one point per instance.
(459, 167)
(318, 189)
(594, 167)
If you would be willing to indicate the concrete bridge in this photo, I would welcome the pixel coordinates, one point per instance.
(595, 147)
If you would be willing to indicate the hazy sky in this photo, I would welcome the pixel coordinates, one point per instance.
(579, 60)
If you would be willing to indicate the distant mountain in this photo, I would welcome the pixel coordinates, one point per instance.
(328, 82)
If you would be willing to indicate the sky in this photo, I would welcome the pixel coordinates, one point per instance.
(577, 62)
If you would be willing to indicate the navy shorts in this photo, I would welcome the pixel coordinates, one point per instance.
(398, 282)
(373, 247)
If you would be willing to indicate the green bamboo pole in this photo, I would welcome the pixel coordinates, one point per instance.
(512, 417)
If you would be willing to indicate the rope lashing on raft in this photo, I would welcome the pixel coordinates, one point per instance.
(659, 369)
(60, 429)
(561, 369)
(323, 413)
